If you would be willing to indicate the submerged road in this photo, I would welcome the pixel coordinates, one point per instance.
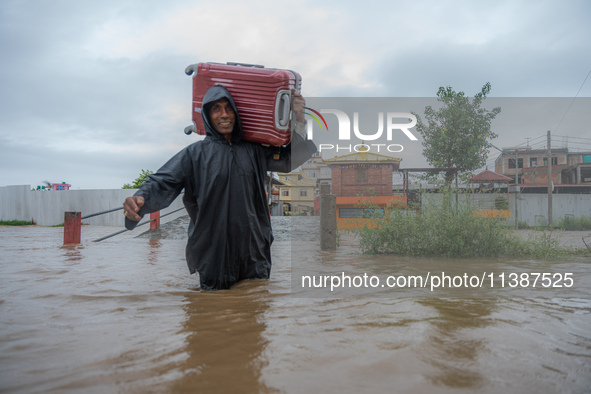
(124, 315)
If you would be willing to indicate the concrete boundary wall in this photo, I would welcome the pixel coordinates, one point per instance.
(533, 208)
(46, 208)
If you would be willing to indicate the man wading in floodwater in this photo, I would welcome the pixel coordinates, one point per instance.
(223, 177)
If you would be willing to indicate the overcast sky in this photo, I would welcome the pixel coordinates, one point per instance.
(94, 91)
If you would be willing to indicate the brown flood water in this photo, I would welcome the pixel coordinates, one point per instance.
(124, 315)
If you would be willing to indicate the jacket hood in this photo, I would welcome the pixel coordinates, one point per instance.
(215, 93)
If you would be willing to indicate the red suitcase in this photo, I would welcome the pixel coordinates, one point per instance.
(262, 96)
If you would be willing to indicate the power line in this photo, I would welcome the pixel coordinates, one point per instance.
(541, 141)
(538, 137)
(567, 136)
(573, 100)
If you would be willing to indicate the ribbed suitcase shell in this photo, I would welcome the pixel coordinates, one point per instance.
(262, 97)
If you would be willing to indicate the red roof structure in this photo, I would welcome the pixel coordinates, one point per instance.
(490, 176)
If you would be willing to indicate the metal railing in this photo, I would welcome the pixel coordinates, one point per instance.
(73, 224)
(139, 224)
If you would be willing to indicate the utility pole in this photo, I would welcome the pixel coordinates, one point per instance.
(549, 180)
(516, 191)
(516, 168)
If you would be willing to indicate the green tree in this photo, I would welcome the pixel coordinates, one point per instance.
(456, 135)
(139, 180)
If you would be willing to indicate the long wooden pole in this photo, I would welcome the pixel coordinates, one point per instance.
(516, 189)
(549, 180)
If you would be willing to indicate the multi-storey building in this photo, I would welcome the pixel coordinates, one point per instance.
(531, 166)
(315, 168)
(297, 192)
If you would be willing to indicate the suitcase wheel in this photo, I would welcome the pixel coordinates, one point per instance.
(190, 129)
(191, 68)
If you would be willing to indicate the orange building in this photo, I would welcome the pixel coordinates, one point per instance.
(362, 183)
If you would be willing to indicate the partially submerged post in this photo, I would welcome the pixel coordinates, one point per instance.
(328, 219)
(154, 220)
(72, 227)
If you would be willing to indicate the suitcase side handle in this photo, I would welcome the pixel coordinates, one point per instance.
(282, 109)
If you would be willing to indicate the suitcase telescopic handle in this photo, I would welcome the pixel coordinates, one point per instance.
(245, 64)
(191, 68)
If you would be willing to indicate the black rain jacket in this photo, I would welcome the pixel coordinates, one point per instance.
(230, 232)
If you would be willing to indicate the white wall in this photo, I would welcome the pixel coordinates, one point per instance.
(46, 208)
(533, 208)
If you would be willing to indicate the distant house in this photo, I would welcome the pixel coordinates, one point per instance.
(297, 193)
(362, 183)
(275, 205)
(316, 169)
(531, 166)
(488, 196)
(60, 186)
(488, 179)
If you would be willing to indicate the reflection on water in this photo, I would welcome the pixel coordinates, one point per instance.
(124, 315)
(225, 340)
(153, 250)
(458, 353)
(72, 253)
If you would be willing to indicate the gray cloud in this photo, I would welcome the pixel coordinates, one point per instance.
(92, 92)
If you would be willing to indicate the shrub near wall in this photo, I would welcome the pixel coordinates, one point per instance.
(451, 230)
(437, 230)
(574, 224)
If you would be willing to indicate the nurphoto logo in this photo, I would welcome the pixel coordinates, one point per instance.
(390, 122)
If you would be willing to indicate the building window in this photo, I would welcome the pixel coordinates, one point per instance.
(325, 171)
(287, 178)
(512, 163)
(361, 175)
(533, 162)
(554, 161)
(285, 193)
(303, 193)
(312, 174)
(300, 177)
